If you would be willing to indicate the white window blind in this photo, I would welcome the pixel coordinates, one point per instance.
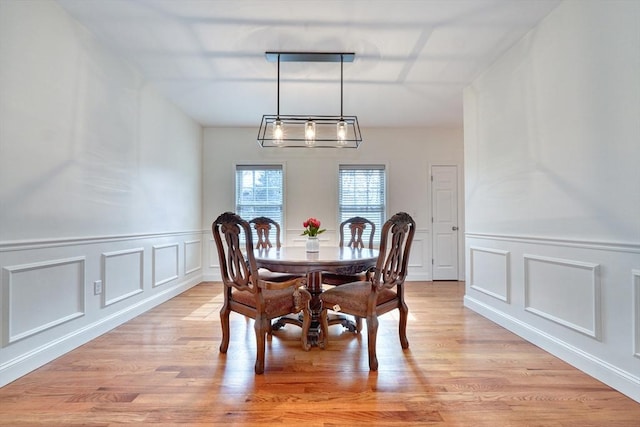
(259, 192)
(361, 192)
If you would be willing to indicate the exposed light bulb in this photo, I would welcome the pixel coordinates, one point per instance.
(342, 132)
(310, 132)
(278, 132)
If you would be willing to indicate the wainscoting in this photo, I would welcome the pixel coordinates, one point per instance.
(578, 300)
(59, 294)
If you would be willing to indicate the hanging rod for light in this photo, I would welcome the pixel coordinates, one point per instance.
(308, 130)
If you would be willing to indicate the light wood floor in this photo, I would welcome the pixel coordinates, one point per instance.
(164, 367)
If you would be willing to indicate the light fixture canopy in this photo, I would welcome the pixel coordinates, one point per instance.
(320, 131)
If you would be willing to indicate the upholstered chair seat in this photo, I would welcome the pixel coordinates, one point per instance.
(383, 290)
(277, 303)
(353, 297)
(247, 293)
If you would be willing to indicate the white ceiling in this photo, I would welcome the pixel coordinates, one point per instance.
(413, 57)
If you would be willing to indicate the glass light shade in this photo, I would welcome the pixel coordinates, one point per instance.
(341, 128)
(278, 131)
(310, 132)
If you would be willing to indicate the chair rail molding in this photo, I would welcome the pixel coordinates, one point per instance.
(587, 244)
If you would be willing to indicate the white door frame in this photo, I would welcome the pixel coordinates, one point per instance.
(445, 239)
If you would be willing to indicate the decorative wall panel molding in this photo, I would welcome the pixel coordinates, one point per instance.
(123, 273)
(489, 269)
(539, 240)
(213, 254)
(38, 325)
(635, 274)
(419, 253)
(165, 263)
(192, 256)
(56, 288)
(564, 291)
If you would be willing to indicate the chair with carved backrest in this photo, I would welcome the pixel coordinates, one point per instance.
(383, 290)
(359, 229)
(246, 293)
(263, 226)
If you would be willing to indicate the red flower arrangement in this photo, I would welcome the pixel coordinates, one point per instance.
(312, 227)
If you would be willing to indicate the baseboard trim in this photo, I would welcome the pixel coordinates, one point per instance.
(623, 381)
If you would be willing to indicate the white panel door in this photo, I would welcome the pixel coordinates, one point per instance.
(444, 218)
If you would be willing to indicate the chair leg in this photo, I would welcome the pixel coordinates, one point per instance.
(372, 333)
(402, 325)
(306, 325)
(224, 322)
(324, 329)
(259, 327)
(358, 322)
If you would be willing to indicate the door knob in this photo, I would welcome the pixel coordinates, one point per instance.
(454, 228)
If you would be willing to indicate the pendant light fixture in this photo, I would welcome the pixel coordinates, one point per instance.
(297, 131)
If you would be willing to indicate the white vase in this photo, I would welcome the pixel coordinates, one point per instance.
(313, 244)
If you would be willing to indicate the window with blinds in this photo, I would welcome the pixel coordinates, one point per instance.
(259, 192)
(361, 192)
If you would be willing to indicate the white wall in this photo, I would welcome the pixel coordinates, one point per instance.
(100, 180)
(311, 181)
(552, 171)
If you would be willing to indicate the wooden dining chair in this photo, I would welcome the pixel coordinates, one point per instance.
(358, 230)
(382, 291)
(246, 293)
(264, 227)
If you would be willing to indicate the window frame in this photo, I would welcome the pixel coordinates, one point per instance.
(258, 166)
(341, 216)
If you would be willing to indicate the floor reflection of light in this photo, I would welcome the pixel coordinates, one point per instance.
(208, 311)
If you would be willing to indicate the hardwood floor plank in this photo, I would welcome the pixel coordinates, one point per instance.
(164, 368)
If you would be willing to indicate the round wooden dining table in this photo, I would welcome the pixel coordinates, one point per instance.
(333, 259)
